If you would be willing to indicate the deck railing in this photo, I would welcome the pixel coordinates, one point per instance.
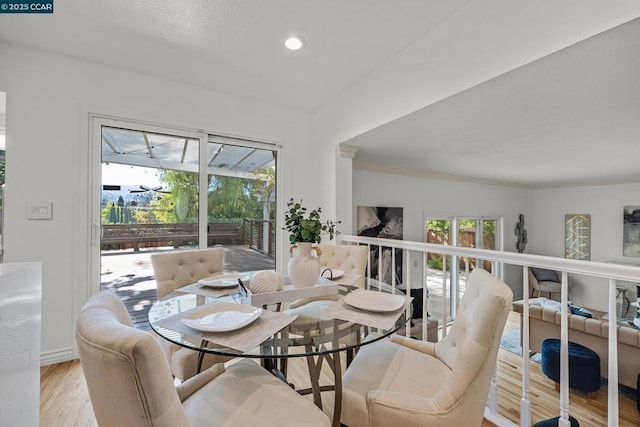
(413, 251)
(136, 236)
(259, 234)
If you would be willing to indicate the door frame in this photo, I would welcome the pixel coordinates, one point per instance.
(97, 121)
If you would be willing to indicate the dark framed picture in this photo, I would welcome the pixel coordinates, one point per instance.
(383, 222)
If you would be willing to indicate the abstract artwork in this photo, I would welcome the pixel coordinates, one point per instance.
(631, 231)
(577, 236)
(385, 223)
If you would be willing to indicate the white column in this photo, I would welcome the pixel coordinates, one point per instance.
(344, 188)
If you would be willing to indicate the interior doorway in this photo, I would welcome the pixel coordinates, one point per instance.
(164, 189)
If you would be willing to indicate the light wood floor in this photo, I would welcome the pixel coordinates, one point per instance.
(64, 400)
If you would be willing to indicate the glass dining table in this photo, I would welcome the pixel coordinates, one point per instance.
(319, 331)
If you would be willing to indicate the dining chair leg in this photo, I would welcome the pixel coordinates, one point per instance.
(334, 360)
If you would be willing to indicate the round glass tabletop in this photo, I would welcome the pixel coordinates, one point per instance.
(319, 327)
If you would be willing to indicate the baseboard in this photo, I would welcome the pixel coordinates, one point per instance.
(56, 356)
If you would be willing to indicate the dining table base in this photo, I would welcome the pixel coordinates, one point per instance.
(314, 364)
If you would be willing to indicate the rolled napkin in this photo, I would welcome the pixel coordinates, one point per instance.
(266, 281)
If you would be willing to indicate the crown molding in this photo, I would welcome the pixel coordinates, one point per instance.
(348, 151)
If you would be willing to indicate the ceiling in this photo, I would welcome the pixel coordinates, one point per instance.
(570, 118)
(170, 152)
(562, 118)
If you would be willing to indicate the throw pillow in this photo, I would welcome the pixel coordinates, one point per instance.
(580, 311)
(543, 275)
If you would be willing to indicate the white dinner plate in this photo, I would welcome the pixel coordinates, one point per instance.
(381, 302)
(222, 317)
(218, 283)
(336, 273)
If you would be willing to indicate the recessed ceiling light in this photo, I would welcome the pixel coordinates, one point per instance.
(293, 43)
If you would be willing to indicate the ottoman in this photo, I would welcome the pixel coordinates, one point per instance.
(584, 366)
(553, 422)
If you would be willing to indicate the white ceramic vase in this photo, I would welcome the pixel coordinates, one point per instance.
(304, 268)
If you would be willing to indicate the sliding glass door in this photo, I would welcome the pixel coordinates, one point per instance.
(447, 275)
(163, 189)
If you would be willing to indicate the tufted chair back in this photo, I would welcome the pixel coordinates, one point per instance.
(177, 269)
(352, 259)
(471, 346)
(127, 375)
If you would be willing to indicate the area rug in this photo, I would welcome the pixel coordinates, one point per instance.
(511, 342)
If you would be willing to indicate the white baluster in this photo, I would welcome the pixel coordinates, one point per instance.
(525, 403)
(444, 296)
(612, 417)
(564, 355)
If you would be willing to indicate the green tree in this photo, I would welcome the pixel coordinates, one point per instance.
(113, 217)
(264, 188)
(181, 205)
(228, 197)
(231, 197)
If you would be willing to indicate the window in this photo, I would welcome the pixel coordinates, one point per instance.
(446, 275)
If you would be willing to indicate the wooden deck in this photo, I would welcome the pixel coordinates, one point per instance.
(130, 275)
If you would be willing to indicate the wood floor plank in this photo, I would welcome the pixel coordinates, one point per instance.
(64, 399)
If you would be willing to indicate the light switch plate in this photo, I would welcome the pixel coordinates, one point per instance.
(39, 210)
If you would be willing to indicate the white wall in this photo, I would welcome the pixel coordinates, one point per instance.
(423, 197)
(544, 212)
(49, 98)
(605, 205)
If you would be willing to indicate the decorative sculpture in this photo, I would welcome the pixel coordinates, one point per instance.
(522, 234)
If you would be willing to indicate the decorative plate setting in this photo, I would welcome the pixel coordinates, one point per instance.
(380, 302)
(222, 317)
(332, 273)
(218, 283)
(224, 280)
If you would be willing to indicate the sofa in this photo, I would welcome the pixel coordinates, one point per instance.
(593, 333)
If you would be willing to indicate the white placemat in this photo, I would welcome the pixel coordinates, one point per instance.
(243, 340)
(342, 311)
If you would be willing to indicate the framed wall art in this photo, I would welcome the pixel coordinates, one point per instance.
(631, 231)
(577, 236)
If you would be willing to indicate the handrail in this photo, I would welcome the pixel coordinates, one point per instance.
(610, 271)
(618, 272)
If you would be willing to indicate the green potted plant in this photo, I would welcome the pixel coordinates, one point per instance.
(305, 228)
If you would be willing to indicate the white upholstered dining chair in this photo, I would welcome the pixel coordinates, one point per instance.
(414, 383)
(130, 383)
(352, 259)
(174, 270)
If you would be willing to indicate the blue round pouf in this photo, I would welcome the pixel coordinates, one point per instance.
(553, 422)
(584, 365)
